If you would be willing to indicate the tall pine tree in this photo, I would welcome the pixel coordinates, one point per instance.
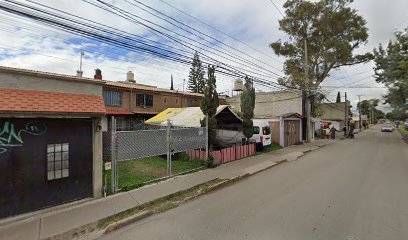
(247, 107)
(209, 105)
(171, 84)
(338, 99)
(196, 81)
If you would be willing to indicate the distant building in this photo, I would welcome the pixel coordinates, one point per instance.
(335, 112)
(283, 110)
(272, 104)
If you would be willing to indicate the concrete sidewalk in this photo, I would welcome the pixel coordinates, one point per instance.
(72, 218)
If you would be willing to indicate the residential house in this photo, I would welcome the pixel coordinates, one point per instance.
(50, 139)
(282, 109)
(335, 112)
(132, 103)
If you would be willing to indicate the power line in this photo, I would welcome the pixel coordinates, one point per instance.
(104, 35)
(276, 7)
(131, 17)
(192, 28)
(218, 30)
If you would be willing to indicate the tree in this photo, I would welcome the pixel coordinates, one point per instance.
(368, 107)
(196, 79)
(392, 70)
(338, 99)
(331, 30)
(171, 84)
(247, 107)
(209, 105)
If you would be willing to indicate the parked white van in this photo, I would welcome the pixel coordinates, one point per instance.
(262, 134)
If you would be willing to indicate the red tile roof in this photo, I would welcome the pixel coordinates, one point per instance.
(15, 100)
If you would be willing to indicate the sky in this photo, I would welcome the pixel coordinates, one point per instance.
(238, 33)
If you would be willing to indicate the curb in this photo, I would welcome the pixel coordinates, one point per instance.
(127, 221)
(140, 216)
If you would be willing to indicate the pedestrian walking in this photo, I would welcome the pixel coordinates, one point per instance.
(345, 131)
(333, 132)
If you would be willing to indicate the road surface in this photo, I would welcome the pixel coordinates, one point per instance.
(354, 189)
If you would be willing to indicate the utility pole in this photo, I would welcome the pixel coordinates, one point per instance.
(307, 92)
(359, 111)
(346, 111)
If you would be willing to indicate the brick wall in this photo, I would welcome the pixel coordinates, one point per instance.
(161, 101)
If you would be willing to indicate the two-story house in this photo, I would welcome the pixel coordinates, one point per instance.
(132, 103)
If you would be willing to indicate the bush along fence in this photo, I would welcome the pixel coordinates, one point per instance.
(135, 158)
(225, 155)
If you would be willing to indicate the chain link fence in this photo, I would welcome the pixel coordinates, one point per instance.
(136, 158)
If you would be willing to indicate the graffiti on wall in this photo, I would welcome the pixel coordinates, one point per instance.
(10, 136)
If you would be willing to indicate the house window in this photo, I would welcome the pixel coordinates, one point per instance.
(165, 100)
(57, 161)
(256, 130)
(112, 98)
(176, 100)
(144, 100)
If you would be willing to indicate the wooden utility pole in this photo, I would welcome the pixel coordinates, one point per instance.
(307, 92)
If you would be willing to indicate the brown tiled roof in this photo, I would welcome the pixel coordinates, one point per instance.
(119, 113)
(149, 88)
(50, 75)
(28, 101)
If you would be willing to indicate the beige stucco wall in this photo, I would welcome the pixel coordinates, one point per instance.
(27, 82)
(333, 111)
(272, 104)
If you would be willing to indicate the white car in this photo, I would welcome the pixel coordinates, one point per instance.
(262, 134)
(386, 127)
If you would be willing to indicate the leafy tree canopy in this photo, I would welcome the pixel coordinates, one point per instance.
(392, 70)
(332, 31)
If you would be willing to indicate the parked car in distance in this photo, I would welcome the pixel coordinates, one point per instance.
(262, 134)
(387, 127)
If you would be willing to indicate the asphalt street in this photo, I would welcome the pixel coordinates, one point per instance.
(353, 189)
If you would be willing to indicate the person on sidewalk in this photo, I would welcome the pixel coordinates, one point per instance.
(327, 133)
(333, 131)
(345, 131)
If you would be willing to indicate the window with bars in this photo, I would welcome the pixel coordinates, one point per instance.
(57, 161)
(144, 100)
(112, 98)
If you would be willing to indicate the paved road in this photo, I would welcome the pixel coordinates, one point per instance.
(354, 189)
